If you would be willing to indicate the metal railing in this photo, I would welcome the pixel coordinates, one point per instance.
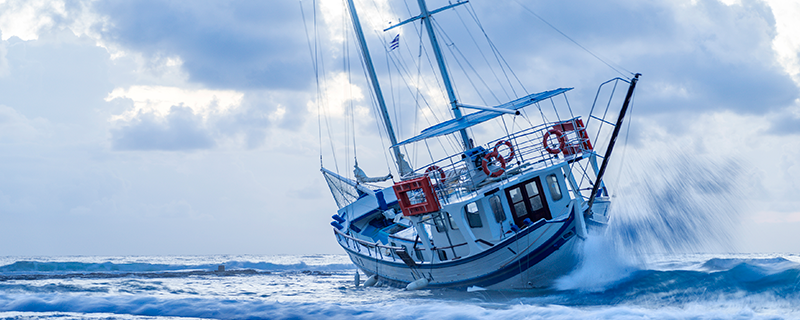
(382, 251)
(358, 244)
(462, 177)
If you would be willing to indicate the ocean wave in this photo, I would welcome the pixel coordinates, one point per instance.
(664, 288)
(729, 263)
(721, 287)
(55, 306)
(66, 267)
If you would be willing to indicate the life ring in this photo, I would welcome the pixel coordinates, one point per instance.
(487, 158)
(562, 142)
(436, 168)
(510, 147)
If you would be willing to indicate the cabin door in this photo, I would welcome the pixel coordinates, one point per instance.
(527, 202)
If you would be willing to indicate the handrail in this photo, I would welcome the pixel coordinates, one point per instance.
(375, 245)
(529, 150)
(404, 239)
(365, 243)
(449, 247)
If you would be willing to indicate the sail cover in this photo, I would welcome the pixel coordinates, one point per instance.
(472, 119)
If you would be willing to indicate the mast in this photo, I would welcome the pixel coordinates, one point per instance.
(425, 16)
(613, 140)
(402, 166)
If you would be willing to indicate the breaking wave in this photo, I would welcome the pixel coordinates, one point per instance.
(40, 270)
(687, 204)
(67, 267)
(725, 286)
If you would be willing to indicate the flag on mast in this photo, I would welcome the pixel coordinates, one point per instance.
(395, 43)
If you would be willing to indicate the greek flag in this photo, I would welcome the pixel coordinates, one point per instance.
(395, 43)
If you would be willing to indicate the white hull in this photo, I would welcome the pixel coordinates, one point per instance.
(532, 258)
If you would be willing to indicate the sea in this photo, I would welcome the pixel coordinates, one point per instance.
(665, 286)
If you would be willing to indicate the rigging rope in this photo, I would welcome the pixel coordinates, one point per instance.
(417, 109)
(575, 42)
(324, 103)
(452, 46)
(451, 140)
(397, 111)
(625, 146)
(497, 53)
(406, 76)
(483, 55)
(348, 111)
(316, 75)
(382, 127)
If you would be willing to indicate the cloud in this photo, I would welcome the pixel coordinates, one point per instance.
(179, 130)
(24, 19)
(116, 114)
(694, 55)
(3, 60)
(16, 128)
(787, 124)
(219, 115)
(231, 44)
(59, 77)
(159, 100)
(787, 42)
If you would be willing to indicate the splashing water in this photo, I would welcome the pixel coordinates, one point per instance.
(601, 267)
(688, 204)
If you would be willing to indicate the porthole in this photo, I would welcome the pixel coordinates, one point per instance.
(555, 188)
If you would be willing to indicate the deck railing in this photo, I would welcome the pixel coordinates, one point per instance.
(377, 250)
(358, 244)
(462, 177)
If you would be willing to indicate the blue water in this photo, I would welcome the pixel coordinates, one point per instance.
(676, 286)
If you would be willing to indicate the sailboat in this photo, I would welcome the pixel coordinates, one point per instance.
(510, 213)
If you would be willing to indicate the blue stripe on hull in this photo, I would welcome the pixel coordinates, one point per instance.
(500, 246)
(510, 270)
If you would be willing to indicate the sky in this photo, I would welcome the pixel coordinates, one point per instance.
(162, 127)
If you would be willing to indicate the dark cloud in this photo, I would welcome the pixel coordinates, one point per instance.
(252, 123)
(181, 130)
(787, 124)
(60, 77)
(705, 56)
(223, 44)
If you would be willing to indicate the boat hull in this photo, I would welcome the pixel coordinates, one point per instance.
(532, 258)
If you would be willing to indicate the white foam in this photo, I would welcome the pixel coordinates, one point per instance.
(601, 266)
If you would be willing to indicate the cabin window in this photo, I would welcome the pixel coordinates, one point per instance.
(555, 189)
(473, 215)
(442, 255)
(526, 202)
(453, 224)
(438, 221)
(533, 195)
(516, 202)
(497, 208)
